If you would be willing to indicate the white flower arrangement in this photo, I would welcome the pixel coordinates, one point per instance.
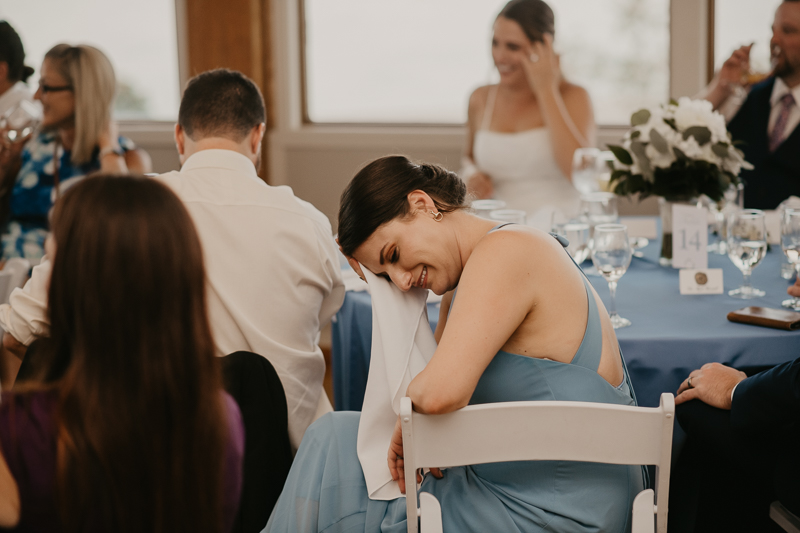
(680, 150)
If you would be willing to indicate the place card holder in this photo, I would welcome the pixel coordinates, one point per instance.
(766, 317)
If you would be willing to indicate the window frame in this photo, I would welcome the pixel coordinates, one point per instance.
(702, 34)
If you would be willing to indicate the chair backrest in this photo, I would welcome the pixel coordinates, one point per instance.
(252, 381)
(15, 271)
(545, 431)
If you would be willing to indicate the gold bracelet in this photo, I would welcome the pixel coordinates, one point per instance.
(110, 150)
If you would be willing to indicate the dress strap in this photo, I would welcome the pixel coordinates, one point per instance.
(489, 109)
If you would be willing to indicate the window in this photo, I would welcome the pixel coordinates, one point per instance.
(741, 22)
(417, 61)
(140, 39)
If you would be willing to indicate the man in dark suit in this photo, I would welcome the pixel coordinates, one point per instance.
(767, 120)
(742, 450)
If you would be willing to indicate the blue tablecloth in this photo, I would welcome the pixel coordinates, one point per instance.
(671, 334)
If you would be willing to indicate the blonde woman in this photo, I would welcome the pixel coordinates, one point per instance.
(77, 137)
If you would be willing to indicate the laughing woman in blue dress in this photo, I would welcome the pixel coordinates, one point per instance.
(76, 137)
(525, 325)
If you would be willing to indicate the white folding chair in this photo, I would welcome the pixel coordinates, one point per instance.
(540, 431)
(784, 517)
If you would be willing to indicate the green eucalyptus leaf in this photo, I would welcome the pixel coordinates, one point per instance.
(679, 154)
(720, 149)
(672, 101)
(640, 117)
(622, 155)
(671, 123)
(638, 148)
(635, 134)
(701, 134)
(659, 142)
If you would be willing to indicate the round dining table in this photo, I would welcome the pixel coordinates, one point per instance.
(671, 334)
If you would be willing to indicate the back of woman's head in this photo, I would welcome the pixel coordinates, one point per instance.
(94, 85)
(534, 17)
(13, 53)
(141, 426)
(378, 194)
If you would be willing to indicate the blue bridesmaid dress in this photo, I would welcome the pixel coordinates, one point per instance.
(326, 491)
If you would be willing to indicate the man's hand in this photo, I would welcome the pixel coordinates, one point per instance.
(794, 290)
(711, 384)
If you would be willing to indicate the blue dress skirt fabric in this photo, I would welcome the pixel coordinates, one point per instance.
(326, 491)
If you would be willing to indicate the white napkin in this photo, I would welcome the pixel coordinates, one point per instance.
(402, 344)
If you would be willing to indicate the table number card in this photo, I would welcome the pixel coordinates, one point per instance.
(696, 281)
(689, 237)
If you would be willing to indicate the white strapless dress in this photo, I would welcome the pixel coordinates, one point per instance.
(524, 172)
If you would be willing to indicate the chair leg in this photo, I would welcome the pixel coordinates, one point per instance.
(643, 520)
(430, 519)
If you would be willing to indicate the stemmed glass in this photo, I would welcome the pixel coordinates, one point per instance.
(747, 246)
(611, 255)
(790, 244)
(587, 165)
(598, 208)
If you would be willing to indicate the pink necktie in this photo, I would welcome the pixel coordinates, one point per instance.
(776, 137)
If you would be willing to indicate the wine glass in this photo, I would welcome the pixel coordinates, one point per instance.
(587, 165)
(577, 233)
(790, 244)
(747, 246)
(611, 255)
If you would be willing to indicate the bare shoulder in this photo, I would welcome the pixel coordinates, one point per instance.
(516, 248)
(574, 93)
(477, 100)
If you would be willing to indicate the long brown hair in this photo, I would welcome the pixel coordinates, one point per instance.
(141, 426)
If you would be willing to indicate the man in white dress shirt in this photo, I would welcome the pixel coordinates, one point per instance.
(766, 121)
(272, 265)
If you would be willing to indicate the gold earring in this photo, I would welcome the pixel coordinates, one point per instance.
(437, 215)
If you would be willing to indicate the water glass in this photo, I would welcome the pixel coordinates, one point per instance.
(483, 208)
(790, 244)
(599, 208)
(577, 233)
(747, 246)
(20, 121)
(515, 216)
(587, 166)
(611, 255)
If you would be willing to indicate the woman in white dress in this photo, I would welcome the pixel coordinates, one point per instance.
(524, 130)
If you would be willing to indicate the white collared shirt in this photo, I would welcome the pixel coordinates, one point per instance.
(272, 268)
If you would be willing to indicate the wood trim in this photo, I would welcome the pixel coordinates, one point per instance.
(711, 35)
(234, 34)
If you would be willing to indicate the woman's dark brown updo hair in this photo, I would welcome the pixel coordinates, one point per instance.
(12, 52)
(378, 194)
(534, 17)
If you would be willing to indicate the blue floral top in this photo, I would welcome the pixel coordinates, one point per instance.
(32, 195)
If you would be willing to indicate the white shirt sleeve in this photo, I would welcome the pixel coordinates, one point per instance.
(25, 316)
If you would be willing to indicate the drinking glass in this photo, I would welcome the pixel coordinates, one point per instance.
(577, 233)
(483, 208)
(587, 165)
(790, 244)
(611, 255)
(747, 246)
(515, 216)
(599, 208)
(20, 121)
